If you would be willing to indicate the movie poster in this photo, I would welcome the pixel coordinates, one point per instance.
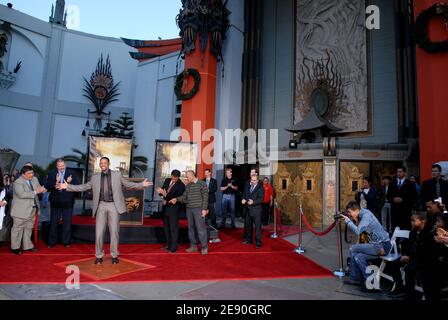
(118, 150)
(172, 155)
(135, 202)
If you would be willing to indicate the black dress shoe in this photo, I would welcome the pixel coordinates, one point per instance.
(30, 250)
(258, 246)
(352, 283)
(67, 245)
(99, 261)
(51, 246)
(16, 251)
(115, 260)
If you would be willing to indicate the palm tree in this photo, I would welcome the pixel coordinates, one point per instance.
(139, 163)
(80, 158)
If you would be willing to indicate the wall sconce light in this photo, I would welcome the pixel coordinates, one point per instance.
(292, 144)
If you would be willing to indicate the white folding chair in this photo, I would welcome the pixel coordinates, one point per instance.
(393, 254)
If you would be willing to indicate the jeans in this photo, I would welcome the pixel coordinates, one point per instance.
(360, 254)
(228, 202)
(385, 218)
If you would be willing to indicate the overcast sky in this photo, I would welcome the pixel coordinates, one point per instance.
(134, 19)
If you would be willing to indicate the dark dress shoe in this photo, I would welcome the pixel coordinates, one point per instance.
(258, 246)
(352, 283)
(164, 248)
(67, 245)
(115, 261)
(98, 260)
(16, 251)
(246, 242)
(51, 246)
(172, 251)
(30, 250)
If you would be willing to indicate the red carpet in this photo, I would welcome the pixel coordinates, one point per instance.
(147, 222)
(228, 260)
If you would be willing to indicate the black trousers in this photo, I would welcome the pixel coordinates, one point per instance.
(171, 227)
(266, 213)
(428, 278)
(55, 215)
(253, 218)
(211, 217)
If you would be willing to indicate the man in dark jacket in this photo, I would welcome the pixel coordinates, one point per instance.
(61, 202)
(212, 185)
(436, 187)
(253, 195)
(402, 195)
(172, 188)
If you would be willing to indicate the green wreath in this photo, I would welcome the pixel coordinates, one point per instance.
(180, 80)
(421, 36)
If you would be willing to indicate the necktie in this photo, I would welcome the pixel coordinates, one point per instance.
(106, 187)
(438, 189)
(208, 182)
(171, 186)
(32, 189)
(61, 175)
(400, 183)
(252, 188)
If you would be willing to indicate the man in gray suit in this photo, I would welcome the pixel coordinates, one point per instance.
(107, 205)
(25, 202)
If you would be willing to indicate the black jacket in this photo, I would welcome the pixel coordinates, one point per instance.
(429, 191)
(256, 195)
(372, 198)
(212, 188)
(420, 248)
(176, 191)
(401, 212)
(60, 197)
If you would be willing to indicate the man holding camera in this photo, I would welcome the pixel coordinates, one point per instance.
(363, 221)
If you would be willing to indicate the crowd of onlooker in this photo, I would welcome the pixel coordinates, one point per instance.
(402, 204)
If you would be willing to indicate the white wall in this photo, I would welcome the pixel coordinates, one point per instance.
(67, 135)
(154, 104)
(18, 123)
(80, 54)
(30, 48)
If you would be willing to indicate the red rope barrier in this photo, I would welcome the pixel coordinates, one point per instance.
(310, 228)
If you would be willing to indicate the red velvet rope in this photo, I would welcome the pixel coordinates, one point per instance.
(310, 228)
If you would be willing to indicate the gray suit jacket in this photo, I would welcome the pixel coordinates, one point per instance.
(118, 181)
(23, 198)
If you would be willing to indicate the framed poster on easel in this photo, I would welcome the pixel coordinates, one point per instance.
(135, 203)
(118, 150)
(171, 155)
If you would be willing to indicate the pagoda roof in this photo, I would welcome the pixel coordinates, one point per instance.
(148, 49)
(312, 122)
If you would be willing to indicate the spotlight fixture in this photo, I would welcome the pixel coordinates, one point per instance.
(292, 144)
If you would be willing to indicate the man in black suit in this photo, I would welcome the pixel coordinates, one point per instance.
(402, 195)
(436, 187)
(61, 202)
(253, 195)
(212, 186)
(172, 188)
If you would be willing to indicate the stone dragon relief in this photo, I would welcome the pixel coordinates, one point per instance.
(331, 63)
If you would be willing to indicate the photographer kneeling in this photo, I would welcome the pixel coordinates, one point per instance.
(363, 221)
